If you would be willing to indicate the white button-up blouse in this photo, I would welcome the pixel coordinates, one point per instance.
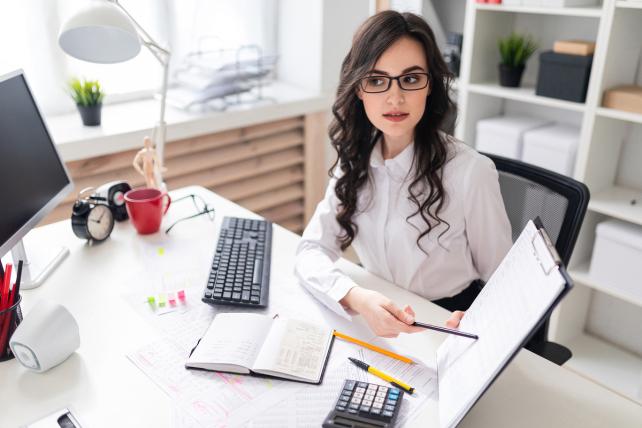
(472, 247)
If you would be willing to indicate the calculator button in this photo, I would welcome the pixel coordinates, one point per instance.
(354, 406)
(363, 385)
(389, 408)
(383, 389)
(349, 385)
(365, 409)
(378, 400)
(367, 402)
(360, 390)
(391, 402)
(340, 408)
(342, 403)
(375, 410)
(345, 397)
(386, 413)
(357, 395)
(353, 411)
(377, 405)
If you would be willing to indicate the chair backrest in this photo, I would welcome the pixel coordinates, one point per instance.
(559, 201)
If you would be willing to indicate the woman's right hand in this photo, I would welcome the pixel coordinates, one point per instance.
(455, 318)
(383, 317)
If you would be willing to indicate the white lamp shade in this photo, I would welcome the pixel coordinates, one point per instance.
(100, 33)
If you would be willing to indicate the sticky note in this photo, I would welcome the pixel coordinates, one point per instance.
(161, 299)
(181, 295)
(171, 299)
(161, 251)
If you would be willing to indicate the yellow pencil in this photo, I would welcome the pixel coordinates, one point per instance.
(395, 382)
(373, 348)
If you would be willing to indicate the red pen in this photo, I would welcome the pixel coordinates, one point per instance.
(6, 303)
(5, 287)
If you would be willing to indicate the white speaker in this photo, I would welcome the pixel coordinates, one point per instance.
(47, 335)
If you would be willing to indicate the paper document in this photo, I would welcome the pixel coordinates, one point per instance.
(517, 296)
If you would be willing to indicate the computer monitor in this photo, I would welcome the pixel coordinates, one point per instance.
(33, 179)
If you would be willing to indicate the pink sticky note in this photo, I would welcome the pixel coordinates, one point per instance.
(172, 300)
(181, 295)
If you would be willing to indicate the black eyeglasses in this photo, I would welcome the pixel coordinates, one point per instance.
(201, 209)
(407, 82)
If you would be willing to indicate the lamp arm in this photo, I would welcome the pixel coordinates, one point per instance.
(163, 56)
(149, 42)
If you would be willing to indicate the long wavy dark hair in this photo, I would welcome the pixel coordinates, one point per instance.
(353, 136)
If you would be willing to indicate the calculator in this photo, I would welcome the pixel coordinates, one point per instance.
(364, 404)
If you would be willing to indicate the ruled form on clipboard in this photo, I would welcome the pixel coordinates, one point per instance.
(518, 297)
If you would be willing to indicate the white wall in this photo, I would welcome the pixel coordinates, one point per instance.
(314, 37)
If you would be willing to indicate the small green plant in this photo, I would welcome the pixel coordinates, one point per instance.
(86, 93)
(516, 49)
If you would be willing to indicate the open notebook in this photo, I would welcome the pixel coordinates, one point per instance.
(518, 297)
(249, 343)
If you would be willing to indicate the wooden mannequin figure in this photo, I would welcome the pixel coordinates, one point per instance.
(147, 163)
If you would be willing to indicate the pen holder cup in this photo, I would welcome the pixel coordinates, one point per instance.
(10, 319)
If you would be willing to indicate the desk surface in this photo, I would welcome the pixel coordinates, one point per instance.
(103, 386)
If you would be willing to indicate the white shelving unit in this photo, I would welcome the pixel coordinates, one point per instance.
(605, 136)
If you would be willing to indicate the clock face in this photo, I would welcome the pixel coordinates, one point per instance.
(100, 222)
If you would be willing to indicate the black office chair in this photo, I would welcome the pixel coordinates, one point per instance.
(560, 202)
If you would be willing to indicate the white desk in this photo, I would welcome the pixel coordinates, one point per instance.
(103, 386)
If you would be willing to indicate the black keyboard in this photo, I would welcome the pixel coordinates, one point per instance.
(240, 273)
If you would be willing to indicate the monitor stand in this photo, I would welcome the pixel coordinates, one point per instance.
(39, 265)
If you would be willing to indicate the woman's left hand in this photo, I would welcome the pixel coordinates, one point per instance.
(455, 317)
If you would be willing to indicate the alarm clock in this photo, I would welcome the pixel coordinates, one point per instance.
(92, 218)
(114, 193)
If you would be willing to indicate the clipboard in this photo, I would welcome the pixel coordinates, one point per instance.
(456, 360)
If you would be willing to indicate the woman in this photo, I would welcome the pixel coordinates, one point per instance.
(421, 209)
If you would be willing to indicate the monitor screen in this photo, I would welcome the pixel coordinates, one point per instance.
(31, 172)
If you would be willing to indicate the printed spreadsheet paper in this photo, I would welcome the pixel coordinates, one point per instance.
(516, 297)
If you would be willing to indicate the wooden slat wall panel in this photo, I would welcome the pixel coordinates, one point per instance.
(239, 170)
(263, 168)
(273, 198)
(295, 224)
(283, 212)
(261, 183)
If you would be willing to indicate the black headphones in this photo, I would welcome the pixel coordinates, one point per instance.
(114, 195)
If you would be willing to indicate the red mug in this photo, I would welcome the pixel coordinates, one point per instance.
(146, 209)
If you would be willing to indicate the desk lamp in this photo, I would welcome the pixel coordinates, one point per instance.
(105, 33)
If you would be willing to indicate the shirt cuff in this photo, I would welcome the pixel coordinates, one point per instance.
(338, 291)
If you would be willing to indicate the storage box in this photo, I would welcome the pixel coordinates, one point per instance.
(503, 135)
(552, 147)
(559, 3)
(563, 76)
(574, 47)
(617, 257)
(627, 98)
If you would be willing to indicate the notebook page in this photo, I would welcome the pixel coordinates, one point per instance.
(233, 339)
(514, 299)
(294, 348)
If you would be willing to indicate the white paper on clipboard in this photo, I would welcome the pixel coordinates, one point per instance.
(525, 287)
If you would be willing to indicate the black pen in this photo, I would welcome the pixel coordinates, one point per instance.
(445, 330)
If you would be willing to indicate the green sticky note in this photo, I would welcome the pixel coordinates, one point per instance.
(151, 300)
(161, 299)
(161, 251)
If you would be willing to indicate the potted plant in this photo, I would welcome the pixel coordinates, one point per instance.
(515, 51)
(88, 96)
